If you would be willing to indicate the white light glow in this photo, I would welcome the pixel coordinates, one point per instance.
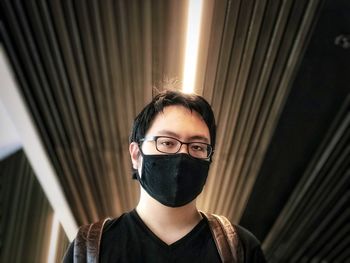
(192, 44)
(9, 138)
(12, 99)
(53, 240)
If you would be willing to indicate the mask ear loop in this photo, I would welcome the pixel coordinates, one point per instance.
(211, 156)
(135, 172)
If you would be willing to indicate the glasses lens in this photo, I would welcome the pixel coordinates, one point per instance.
(172, 145)
(199, 150)
(167, 145)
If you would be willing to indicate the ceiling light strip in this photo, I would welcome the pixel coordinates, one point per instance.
(192, 45)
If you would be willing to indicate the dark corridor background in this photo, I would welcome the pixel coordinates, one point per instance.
(277, 74)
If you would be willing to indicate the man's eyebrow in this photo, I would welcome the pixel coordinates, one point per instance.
(192, 138)
(200, 138)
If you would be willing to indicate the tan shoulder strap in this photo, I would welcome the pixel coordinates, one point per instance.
(226, 238)
(87, 242)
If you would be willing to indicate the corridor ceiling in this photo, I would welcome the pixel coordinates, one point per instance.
(275, 72)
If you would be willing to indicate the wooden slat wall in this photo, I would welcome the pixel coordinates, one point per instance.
(25, 214)
(62, 245)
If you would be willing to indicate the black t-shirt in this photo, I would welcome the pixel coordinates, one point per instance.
(127, 240)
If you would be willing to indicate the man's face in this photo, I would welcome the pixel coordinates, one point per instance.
(177, 122)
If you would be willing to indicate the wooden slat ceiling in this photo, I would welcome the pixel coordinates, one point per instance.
(85, 70)
(87, 67)
(258, 45)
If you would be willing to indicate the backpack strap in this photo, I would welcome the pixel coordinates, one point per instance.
(87, 242)
(226, 238)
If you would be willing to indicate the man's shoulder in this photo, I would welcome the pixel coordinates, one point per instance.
(251, 245)
(110, 226)
(115, 225)
(246, 236)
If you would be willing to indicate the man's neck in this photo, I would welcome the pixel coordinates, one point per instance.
(168, 223)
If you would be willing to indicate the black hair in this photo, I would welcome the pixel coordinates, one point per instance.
(193, 102)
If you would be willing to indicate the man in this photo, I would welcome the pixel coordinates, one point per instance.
(171, 146)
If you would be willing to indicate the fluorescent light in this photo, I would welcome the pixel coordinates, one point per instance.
(33, 147)
(53, 240)
(192, 45)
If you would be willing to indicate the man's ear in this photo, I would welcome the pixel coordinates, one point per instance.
(134, 154)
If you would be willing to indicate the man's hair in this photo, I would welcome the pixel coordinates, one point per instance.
(193, 102)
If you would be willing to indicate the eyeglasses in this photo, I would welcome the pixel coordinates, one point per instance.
(165, 144)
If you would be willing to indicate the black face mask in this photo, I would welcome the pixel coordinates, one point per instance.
(173, 180)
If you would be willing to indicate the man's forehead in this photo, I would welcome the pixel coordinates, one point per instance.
(180, 122)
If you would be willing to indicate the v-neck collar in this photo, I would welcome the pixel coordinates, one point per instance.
(135, 216)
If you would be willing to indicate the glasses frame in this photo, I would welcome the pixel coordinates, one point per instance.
(155, 138)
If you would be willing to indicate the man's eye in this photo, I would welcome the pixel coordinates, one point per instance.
(197, 148)
(167, 144)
